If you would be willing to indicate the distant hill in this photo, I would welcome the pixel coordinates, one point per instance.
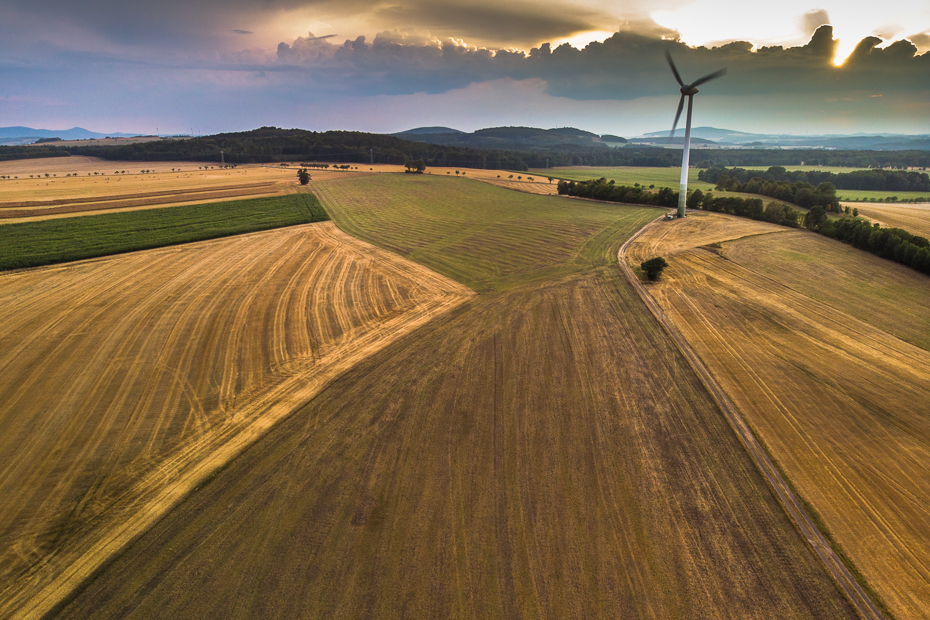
(28, 135)
(513, 138)
(426, 130)
(729, 138)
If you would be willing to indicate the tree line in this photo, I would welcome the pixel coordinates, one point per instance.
(879, 180)
(892, 243)
(272, 145)
(801, 193)
(602, 189)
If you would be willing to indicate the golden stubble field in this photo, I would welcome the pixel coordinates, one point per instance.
(127, 381)
(541, 451)
(824, 350)
(914, 218)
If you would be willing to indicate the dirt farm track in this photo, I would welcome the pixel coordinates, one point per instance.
(176, 359)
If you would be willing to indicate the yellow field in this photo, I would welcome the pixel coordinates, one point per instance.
(824, 350)
(914, 218)
(543, 451)
(128, 380)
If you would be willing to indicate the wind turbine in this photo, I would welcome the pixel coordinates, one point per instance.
(689, 90)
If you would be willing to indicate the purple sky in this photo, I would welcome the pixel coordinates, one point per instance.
(212, 66)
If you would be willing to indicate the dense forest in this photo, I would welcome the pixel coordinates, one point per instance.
(9, 153)
(270, 144)
(881, 180)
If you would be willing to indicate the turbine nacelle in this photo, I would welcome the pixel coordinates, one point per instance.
(689, 90)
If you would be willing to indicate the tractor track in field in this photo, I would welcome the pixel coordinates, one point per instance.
(789, 501)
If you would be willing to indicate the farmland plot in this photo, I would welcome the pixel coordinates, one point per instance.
(826, 351)
(126, 381)
(626, 175)
(87, 185)
(541, 451)
(914, 218)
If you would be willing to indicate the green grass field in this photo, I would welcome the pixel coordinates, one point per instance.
(660, 177)
(542, 451)
(47, 242)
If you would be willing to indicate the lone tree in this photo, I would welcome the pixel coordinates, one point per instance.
(416, 166)
(653, 267)
(304, 176)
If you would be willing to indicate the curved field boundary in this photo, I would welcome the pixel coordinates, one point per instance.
(792, 505)
(129, 381)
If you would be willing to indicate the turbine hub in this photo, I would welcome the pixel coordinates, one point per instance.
(689, 90)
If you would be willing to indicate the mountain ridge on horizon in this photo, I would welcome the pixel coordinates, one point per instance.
(20, 134)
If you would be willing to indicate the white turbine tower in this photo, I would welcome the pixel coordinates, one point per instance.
(690, 91)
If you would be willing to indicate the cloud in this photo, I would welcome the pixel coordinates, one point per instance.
(483, 21)
(626, 66)
(242, 31)
(922, 41)
(812, 20)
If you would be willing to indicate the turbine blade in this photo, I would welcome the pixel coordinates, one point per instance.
(671, 64)
(708, 78)
(681, 103)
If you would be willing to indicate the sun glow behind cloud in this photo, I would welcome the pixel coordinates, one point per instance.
(791, 22)
(580, 40)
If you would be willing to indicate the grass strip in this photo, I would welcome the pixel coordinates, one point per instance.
(31, 244)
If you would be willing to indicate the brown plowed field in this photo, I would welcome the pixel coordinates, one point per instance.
(824, 350)
(128, 380)
(543, 451)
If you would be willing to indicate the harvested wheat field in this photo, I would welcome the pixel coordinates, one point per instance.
(826, 352)
(128, 381)
(528, 182)
(541, 451)
(96, 185)
(914, 218)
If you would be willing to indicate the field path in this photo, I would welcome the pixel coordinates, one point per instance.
(128, 381)
(786, 496)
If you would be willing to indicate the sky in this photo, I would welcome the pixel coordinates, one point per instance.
(209, 66)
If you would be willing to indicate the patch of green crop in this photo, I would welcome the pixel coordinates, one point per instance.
(31, 244)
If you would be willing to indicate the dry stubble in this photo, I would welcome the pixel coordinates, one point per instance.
(801, 333)
(128, 380)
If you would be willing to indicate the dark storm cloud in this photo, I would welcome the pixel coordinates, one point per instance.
(628, 65)
(186, 23)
